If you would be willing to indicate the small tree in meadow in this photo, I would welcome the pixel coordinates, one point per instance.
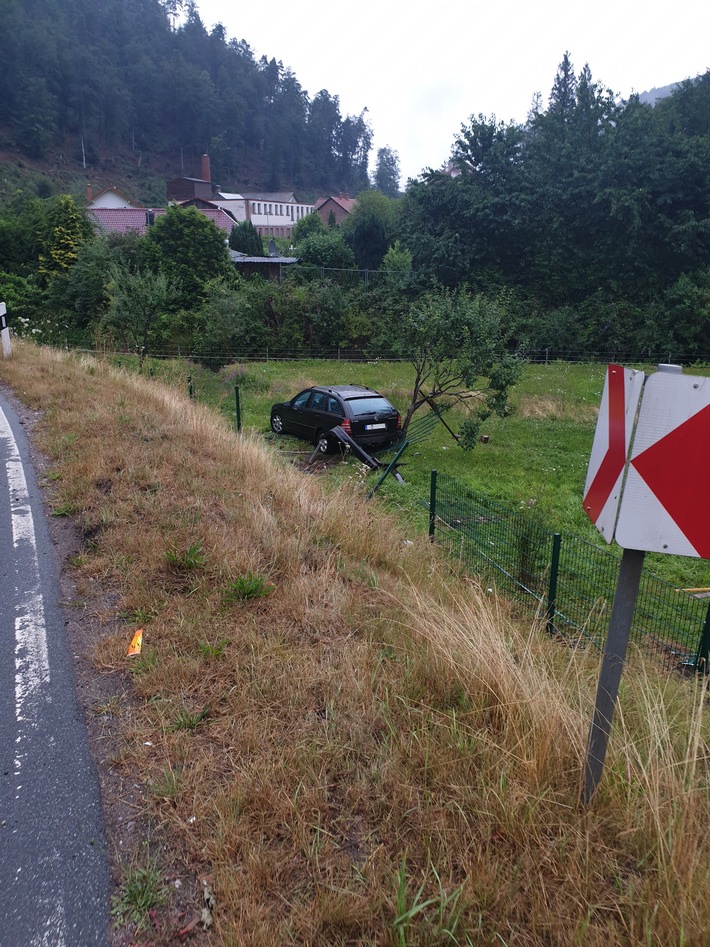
(456, 344)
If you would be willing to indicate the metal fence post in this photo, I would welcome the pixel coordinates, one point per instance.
(701, 658)
(552, 588)
(239, 407)
(432, 506)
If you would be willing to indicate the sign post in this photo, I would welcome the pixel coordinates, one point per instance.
(622, 615)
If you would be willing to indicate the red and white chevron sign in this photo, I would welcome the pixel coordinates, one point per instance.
(666, 501)
(602, 490)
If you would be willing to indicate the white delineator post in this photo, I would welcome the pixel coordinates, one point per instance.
(5, 332)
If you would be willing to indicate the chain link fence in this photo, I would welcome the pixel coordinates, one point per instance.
(568, 581)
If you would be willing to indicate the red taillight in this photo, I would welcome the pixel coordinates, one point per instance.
(399, 421)
(346, 426)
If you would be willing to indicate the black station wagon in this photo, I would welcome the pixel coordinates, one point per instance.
(364, 414)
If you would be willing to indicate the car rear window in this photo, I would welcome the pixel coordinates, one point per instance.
(369, 406)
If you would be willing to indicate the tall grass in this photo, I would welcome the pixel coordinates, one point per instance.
(382, 752)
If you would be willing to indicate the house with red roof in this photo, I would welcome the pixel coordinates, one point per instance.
(138, 219)
(340, 207)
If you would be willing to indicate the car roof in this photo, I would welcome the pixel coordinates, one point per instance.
(348, 391)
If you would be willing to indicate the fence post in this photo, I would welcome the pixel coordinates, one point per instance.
(190, 392)
(552, 589)
(701, 658)
(432, 506)
(239, 407)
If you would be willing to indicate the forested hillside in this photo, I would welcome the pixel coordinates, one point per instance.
(594, 213)
(585, 229)
(107, 82)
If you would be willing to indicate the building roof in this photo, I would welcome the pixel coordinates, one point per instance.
(111, 190)
(122, 219)
(236, 256)
(127, 219)
(347, 203)
(283, 197)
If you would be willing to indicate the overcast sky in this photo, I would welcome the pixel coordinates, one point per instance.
(422, 68)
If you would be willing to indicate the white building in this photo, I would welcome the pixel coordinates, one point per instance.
(274, 214)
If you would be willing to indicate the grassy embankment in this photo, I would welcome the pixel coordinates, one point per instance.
(372, 751)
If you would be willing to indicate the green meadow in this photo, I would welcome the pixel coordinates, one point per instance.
(535, 459)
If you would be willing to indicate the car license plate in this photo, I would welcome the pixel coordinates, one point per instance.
(375, 427)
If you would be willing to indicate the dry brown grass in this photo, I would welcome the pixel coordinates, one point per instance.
(376, 752)
(555, 407)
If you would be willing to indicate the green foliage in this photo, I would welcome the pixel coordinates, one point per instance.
(387, 172)
(140, 890)
(685, 315)
(247, 586)
(66, 227)
(37, 124)
(307, 226)
(369, 230)
(184, 720)
(245, 238)
(233, 321)
(327, 250)
(432, 920)
(397, 259)
(216, 650)
(138, 314)
(22, 297)
(66, 78)
(590, 205)
(457, 346)
(87, 290)
(193, 557)
(187, 247)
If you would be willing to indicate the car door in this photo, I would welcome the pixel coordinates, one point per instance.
(324, 412)
(296, 416)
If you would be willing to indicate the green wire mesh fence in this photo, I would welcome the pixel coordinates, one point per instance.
(567, 580)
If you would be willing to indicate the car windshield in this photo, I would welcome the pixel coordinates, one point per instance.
(360, 406)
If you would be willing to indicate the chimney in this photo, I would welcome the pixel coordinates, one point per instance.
(206, 174)
(89, 194)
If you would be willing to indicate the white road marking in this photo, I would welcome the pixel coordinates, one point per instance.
(31, 659)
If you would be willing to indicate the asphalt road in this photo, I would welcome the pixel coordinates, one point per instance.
(53, 866)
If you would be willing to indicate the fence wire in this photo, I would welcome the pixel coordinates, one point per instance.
(574, 591)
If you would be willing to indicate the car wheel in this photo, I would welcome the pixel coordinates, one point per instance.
(277, 424)
(322, 443)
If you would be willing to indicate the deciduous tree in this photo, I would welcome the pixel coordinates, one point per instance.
(457, 346)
